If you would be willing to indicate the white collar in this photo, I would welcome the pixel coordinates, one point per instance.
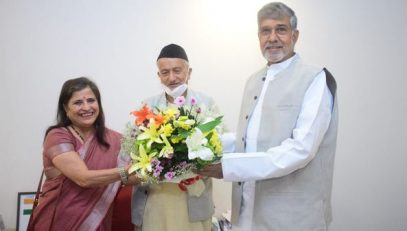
(275, 68)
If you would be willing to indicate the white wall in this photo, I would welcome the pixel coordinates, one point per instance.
(45, 42)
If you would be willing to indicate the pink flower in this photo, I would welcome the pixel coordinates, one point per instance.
(180, 101)
(157, 171)
(193, 101)
(183, 164)
(155, 162)
(169, 175)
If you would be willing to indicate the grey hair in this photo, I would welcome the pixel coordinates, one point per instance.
(277, 10)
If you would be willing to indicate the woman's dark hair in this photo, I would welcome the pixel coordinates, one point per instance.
(71, 86)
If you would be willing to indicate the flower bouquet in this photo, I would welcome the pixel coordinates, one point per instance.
(167, 143)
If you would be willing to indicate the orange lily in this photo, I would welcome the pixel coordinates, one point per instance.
(143, 114)
(159, 119)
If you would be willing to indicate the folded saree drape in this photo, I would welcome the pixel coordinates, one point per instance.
(63, 205)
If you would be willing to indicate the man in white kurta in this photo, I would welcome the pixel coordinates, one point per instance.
(286, 137)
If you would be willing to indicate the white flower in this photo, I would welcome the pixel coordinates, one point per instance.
(196, 146)
(204, 154)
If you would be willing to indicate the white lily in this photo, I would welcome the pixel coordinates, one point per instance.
(196, 146)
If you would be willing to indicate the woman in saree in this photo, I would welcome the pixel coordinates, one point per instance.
(82, 164)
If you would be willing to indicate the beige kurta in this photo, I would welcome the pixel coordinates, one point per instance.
(167, 209)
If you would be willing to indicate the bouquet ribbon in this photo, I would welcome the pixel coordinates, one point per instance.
(186, 182)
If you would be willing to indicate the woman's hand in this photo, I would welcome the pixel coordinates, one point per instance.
(133, 180)
(74, 168)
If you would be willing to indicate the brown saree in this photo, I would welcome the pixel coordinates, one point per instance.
(63, 205)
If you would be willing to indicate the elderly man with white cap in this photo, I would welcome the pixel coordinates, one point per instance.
(165, 206)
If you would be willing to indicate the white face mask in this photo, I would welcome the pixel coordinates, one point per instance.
(176, 92)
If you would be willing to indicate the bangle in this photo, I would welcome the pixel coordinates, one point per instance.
(123, 175)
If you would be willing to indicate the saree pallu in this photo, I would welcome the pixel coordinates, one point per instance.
(63, 205)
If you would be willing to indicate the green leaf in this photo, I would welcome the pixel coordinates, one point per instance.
(181, 148)
(183, 133)
(206, 127)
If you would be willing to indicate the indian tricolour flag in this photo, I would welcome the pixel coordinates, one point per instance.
(25, 204)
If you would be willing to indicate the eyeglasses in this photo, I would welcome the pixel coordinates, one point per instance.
(279, 31)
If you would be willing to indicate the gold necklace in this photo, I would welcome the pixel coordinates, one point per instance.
(76, 131)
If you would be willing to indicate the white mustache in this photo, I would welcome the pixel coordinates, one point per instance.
(272, 46)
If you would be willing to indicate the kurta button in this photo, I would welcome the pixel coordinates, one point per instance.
(247, 117)
(242, 138)
(264, 78)
(239, 183)
(255, 97)
(145, 192)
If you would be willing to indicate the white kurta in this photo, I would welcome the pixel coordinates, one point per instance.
(293, 153)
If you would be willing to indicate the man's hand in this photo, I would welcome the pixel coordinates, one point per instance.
(213, 170)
